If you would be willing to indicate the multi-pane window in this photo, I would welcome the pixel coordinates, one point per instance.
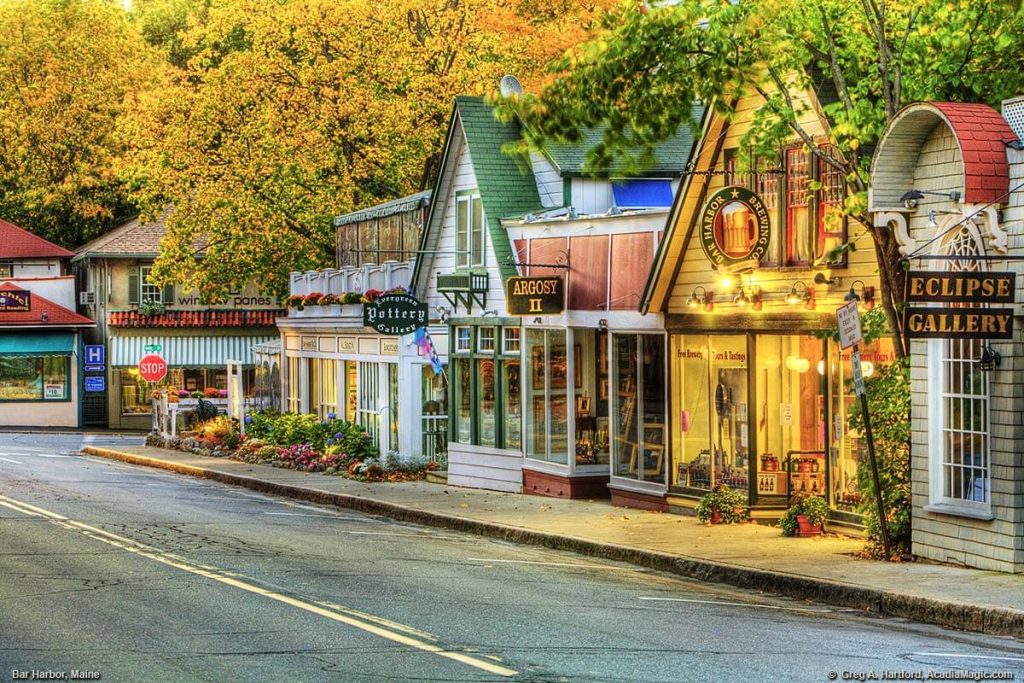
(511, 340)
(328, 399)
(831, 219)
(463, 338)
(961, 462)
(294, 387)
(485, 390)
(149, 292)
(798, 217)
(485, 340)
(471, 231)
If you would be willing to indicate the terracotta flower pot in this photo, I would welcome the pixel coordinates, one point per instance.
(716, 516)
(805, 528)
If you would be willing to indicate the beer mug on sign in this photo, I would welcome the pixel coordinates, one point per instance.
(738, 229)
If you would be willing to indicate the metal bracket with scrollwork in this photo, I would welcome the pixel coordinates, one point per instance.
(561, 261)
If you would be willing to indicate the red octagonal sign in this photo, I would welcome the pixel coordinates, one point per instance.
(153, 367)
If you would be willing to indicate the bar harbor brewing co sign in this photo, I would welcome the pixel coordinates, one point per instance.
(15, 301)
(959, 288)
(395, 314)
(534, 295)
(734, 228)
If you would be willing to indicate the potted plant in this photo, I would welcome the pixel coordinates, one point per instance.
(805, 516)
(723, 506)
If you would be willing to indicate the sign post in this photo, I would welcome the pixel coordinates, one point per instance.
(850, 334)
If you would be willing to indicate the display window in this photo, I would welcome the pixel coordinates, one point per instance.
(46, 378)
(211, 383)
(435, 413)
(547, 419)
(485, 388)
(638, 406)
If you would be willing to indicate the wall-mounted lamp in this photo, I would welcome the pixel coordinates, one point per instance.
(798, 293)
(1014, 144)
(45, 317)
(990, 358)
(933, 221)
(602, 324)
(749, 296)
(822, 279)
(490, 312)
(725, 282)
(912, 197)
(443, 312)
(696, 299)
(867, 294)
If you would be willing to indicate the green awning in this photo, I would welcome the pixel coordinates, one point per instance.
(37, 344)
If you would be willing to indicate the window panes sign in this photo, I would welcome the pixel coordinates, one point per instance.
(15, 301)
(959, 322)
(735, 228)
(535, 295)
(395, 314)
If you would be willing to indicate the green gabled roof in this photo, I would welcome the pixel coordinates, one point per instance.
(671, 154)
(506, 188)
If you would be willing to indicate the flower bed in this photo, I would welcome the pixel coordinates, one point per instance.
(299, 442)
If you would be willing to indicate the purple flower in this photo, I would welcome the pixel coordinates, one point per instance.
(330, 416)
(248, 419)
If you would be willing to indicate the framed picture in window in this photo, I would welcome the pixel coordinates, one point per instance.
(537, 367)
(559, 364)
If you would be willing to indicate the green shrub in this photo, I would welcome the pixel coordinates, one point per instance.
(888, 393)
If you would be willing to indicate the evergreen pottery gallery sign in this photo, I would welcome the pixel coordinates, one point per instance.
(395, 314)
(960, 322)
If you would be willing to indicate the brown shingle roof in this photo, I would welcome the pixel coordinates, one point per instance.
(134, 238)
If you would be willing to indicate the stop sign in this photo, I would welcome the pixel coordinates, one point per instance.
(153, 367)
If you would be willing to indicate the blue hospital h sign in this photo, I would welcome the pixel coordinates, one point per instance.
(95, 354)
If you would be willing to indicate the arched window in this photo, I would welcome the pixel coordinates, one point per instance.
(959, 448)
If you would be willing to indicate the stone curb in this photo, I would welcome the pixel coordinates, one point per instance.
(991, 620)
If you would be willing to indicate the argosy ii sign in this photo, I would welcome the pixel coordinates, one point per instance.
(534, 295)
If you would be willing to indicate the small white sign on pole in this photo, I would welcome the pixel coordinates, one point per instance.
(858, 376)
(849, 325)
(236, 393)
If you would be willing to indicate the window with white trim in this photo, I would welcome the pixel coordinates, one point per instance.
(471, 229)
(485, 339)
(510, 343)
(149, 292)
(463, 339)
(959, 453)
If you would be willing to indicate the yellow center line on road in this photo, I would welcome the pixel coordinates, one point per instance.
(225, 578)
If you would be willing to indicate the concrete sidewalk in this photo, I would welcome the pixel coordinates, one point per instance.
(749, 555)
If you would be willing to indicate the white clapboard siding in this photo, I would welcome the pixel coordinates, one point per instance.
(591, 195)
(485, 468)
(549, 182)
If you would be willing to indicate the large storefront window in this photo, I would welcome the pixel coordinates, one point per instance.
(45, 378)
(294, 388)
(328, 399)
(638, 406)
(369, 391)
(547, 424)
(136, 392)
(485, 388)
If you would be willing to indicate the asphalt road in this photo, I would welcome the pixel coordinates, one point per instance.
(142, 575)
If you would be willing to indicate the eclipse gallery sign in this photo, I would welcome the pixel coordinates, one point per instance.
(535, 295)
(395, 314)
(959, 288)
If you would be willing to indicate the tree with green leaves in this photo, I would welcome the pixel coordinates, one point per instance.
(273, 117)
(69, 69)
(638, 78)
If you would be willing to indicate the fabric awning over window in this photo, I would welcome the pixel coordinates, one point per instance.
(37, 344)
(186, 352)
(642, 193)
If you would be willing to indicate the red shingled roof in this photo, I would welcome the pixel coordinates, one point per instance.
(196, 319)
(17, 242)
(56, 315)
(982, 133)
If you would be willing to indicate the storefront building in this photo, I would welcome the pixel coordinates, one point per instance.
(335, 364)
(135, 317)
(755, 399)
(40, 333)
(539, 275)
(948, 180)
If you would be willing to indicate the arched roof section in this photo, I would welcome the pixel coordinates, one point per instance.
(981, 134)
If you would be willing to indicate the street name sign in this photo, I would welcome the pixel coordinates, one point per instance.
(152, 348)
